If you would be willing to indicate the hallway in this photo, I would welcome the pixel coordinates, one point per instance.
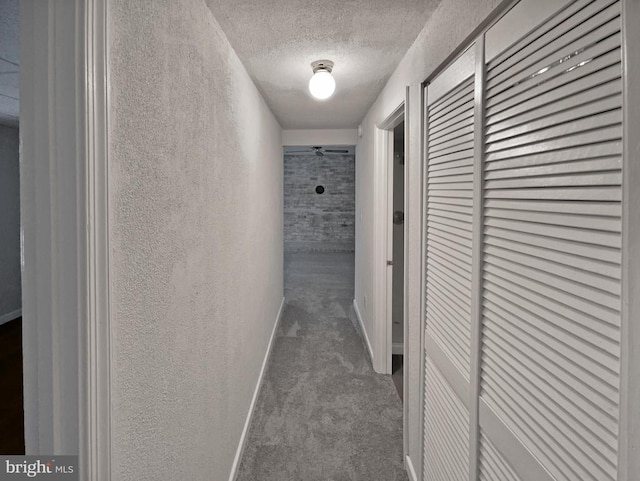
(174, 161)
(323, 413)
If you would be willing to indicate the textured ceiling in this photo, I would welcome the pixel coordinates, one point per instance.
(9, 83)
(278, 39)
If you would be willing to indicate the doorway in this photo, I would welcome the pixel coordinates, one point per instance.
(385, 266)
(397, 248)
(389, 243)
(11, 369)
(319, 219)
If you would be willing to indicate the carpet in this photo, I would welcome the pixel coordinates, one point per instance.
(323, 414)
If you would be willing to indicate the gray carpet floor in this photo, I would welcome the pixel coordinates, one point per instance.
(323, 414)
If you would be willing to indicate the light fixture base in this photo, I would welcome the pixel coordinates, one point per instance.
(322, 65)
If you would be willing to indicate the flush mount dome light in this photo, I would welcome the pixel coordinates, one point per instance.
(322, 84)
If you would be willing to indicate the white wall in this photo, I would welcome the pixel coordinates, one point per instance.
(449, 26)
(320, 137)
(196, 237)
(10, 275)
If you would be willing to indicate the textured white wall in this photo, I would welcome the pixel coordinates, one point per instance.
(451, 23)
(196, 243)
(10, 287)
(320, 137)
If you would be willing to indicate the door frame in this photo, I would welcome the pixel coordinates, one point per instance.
(65, 217)
(629, 423)
(383, 242)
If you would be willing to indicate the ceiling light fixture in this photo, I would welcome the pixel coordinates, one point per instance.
(322, 84)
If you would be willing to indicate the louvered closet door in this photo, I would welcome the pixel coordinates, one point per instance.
(448, 265)
(551, 265)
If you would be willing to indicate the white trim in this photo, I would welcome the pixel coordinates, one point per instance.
(363, 330)
(394, 119)
(388, 223)
(406, 382)
(410, 469)
(423, 266)
(397, 348)
(95, 342)
(477, 262)
(455, 378)
(10, 316)
(629, 421)
(380, 301)
(521, 459)
(247, 423)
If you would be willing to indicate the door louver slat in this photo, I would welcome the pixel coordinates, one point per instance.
(565, 19)
(564, 51)
(553, 101)
(597, 71)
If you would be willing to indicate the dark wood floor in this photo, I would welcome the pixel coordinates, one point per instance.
(11, 405)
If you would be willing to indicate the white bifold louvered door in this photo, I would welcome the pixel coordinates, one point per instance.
(542, 222)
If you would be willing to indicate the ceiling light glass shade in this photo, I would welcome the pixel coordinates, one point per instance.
(322, 85)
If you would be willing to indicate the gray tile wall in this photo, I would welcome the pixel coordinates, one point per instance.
(322, 222)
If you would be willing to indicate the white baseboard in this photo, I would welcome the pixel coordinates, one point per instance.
(410, 470)
(10, 316)
(256, 392)
(397, 348)
(364, 332)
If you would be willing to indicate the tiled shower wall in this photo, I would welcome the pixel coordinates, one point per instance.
(319, 222)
